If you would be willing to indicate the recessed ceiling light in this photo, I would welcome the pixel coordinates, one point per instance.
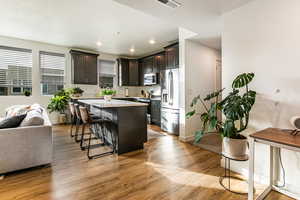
(99, 43)
(132, 50)
(170, 3)
(152, 41)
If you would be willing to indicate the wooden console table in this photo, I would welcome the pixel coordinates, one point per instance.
(276, 139)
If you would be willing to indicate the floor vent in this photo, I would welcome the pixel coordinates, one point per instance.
(170, 3)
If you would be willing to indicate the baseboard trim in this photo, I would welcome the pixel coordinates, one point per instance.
(186, 138)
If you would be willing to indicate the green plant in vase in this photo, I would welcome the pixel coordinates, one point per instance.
(58, 103)
(108, 93)
(27, 93)
(235, 107)
(77, 91)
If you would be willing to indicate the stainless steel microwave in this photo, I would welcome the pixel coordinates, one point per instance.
(151, 79)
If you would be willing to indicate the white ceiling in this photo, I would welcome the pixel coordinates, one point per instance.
(82, 23)
(200, 16)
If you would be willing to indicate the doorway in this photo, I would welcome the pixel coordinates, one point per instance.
(213, 141)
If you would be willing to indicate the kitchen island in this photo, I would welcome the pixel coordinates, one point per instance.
(128, 118)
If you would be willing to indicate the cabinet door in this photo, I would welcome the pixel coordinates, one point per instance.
(141, 72)
(155, 111)
(148, 64)
(159, 63)
(172, 57)
(133, 73)
(78, 69)
(123, 65)
(84, 69)
(91, 72)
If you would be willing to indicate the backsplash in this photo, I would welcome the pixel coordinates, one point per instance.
(94, 90)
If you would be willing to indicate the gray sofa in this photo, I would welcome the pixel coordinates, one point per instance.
(26, 147)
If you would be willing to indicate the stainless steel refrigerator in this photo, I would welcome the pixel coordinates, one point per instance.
(170, 101)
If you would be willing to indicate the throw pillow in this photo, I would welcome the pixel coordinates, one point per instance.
(16, 110)
(33, 118)
(12, 122)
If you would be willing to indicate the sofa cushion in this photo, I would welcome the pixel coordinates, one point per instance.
(33, 118)
(12, 122)
(16, 110)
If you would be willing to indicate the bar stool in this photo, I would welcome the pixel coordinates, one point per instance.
(73, 117)
(99, 128)
(78, 122)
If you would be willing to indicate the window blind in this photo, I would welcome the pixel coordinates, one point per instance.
(107, 67)
(52, 69)
(107, 73)
(15, 70)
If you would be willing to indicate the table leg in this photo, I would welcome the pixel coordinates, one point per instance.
(271, 165)
(251, 169)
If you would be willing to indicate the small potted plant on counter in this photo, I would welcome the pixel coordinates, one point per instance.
(58, 103)
(108, 93)
(76, 92)
(235, 108)
(27, 93)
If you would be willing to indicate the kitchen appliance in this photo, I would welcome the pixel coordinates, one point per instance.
(170, 101)
(150, 79)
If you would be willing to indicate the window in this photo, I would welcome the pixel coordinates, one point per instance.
(52, 69)
(15, 70)
(107, 73)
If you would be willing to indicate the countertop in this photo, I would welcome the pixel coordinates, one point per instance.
(101, 97)
(101, 103)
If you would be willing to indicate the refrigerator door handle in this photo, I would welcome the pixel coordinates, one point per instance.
(171, 88)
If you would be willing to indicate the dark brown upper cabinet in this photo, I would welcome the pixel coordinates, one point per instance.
(148, 64)
(84, 68)
(128, 72)
(134, 73)
(159, 62)
(172, 56)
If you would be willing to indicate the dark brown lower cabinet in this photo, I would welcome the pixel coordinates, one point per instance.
(155, 112)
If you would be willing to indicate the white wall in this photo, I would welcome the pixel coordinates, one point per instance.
(90, 90)
(197, 76)
(263, 37)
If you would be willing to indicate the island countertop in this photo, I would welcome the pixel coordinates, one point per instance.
(101, 103)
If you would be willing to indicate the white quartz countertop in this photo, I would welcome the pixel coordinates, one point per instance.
(101, 103)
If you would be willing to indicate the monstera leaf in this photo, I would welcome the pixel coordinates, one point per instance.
(198, 136)
(190, 114)
(249, 100)
(195, 100)
(213, 95)
(236, 107)
(242, 80)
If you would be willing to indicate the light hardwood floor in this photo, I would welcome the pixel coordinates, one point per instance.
(165, 169)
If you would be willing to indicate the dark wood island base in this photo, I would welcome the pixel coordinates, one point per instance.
(129, 122)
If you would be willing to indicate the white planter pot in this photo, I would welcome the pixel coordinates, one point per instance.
(107, 97)
(77, 95)
(62, 118)
(234, 147)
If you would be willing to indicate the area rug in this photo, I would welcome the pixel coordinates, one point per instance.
(211, 142)
(154, 134)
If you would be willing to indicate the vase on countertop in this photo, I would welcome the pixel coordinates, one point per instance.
(107, 98)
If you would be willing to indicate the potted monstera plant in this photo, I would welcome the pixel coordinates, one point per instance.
(235, 107)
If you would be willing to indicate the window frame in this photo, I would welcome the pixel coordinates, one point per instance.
(9, 88)
(113, 75)
(51, 53)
